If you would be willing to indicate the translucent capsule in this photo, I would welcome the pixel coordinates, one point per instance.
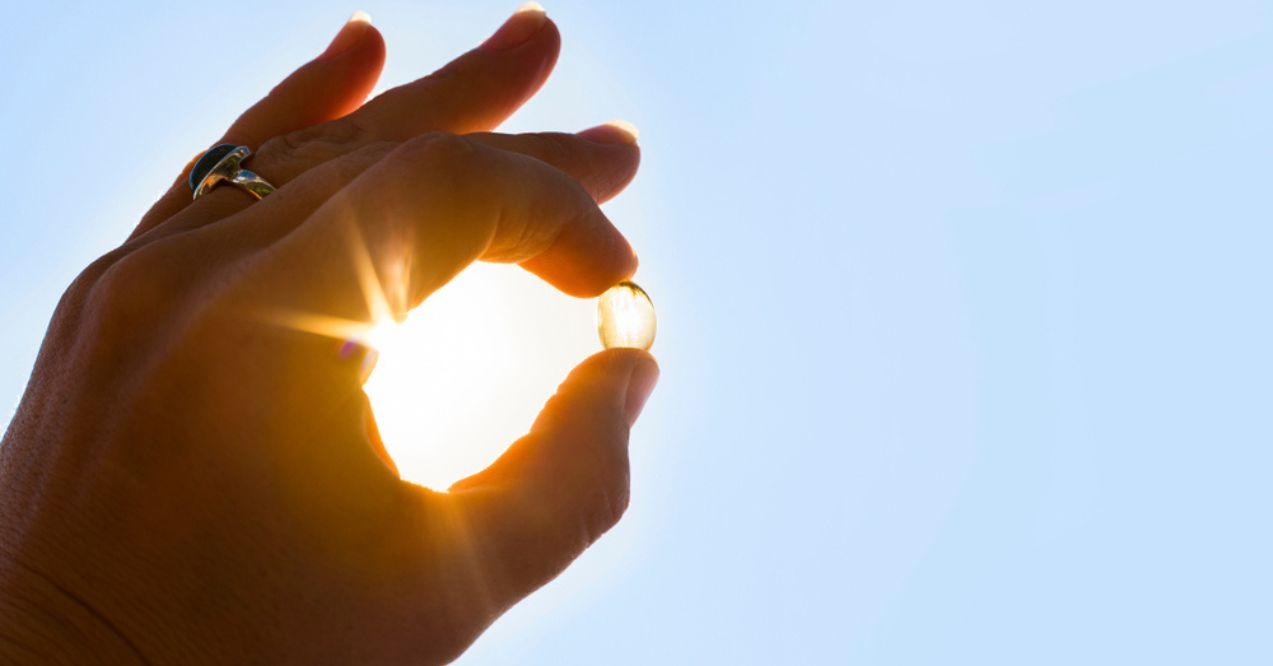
(625, 317)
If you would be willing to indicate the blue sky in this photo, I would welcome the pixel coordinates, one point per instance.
(964, 307)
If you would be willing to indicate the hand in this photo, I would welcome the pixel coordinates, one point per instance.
(189, 479)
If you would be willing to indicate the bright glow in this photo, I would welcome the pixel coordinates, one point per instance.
(468, 371)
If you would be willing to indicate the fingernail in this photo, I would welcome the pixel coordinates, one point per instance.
(645, 374)
(519, 27)
(349, 35)
(619, 132)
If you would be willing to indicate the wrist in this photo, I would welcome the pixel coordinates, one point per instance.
(43, 622)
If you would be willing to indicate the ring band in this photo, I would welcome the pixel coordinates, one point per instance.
(222, 164)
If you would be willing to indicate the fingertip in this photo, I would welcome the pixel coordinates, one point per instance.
(622, 153)
(618, 360)
(532, 60)
(357, 33)
(522, 27)
(614, 132)
(376, 43)
(361, 65)
(624, 368)
(325, 88)
(352, 62)
(608, 134)
(370, 48)
(551, 37)
(641, 383)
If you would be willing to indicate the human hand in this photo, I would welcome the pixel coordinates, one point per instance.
(186, 480)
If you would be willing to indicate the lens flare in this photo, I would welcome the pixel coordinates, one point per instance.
(467, 372)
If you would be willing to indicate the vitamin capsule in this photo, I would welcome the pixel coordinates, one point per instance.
(625, 317)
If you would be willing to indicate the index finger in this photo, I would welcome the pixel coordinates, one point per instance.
(408, 224)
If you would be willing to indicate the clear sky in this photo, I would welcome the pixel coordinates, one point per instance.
(964, 307)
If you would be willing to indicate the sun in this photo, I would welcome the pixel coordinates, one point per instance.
(468, 370)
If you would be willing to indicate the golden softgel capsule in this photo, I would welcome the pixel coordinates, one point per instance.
(625, 317)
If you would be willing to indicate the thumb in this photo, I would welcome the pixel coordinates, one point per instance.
(559, 488)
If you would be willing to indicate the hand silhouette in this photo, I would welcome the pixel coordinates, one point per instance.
(186, 480)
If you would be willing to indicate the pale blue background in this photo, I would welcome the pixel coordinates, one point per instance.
(965, 306)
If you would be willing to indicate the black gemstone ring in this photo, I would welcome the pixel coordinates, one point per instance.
(222, 163)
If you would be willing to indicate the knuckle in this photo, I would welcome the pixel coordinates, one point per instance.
(82, 286)
(377, 149)
(374, 152)
(280, 146)
(124, 307)
(130, 284)
(284, 148)
(449, 162)
(295, 152)
(145, 296)
(334, 134)
(441, 147)
(557, 148)
(348, 167)
(80, 297)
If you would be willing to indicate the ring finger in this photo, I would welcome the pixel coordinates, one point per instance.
(474, 92)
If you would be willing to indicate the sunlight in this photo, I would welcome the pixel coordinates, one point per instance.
(467, 371)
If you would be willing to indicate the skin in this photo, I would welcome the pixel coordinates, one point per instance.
(187, 481)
